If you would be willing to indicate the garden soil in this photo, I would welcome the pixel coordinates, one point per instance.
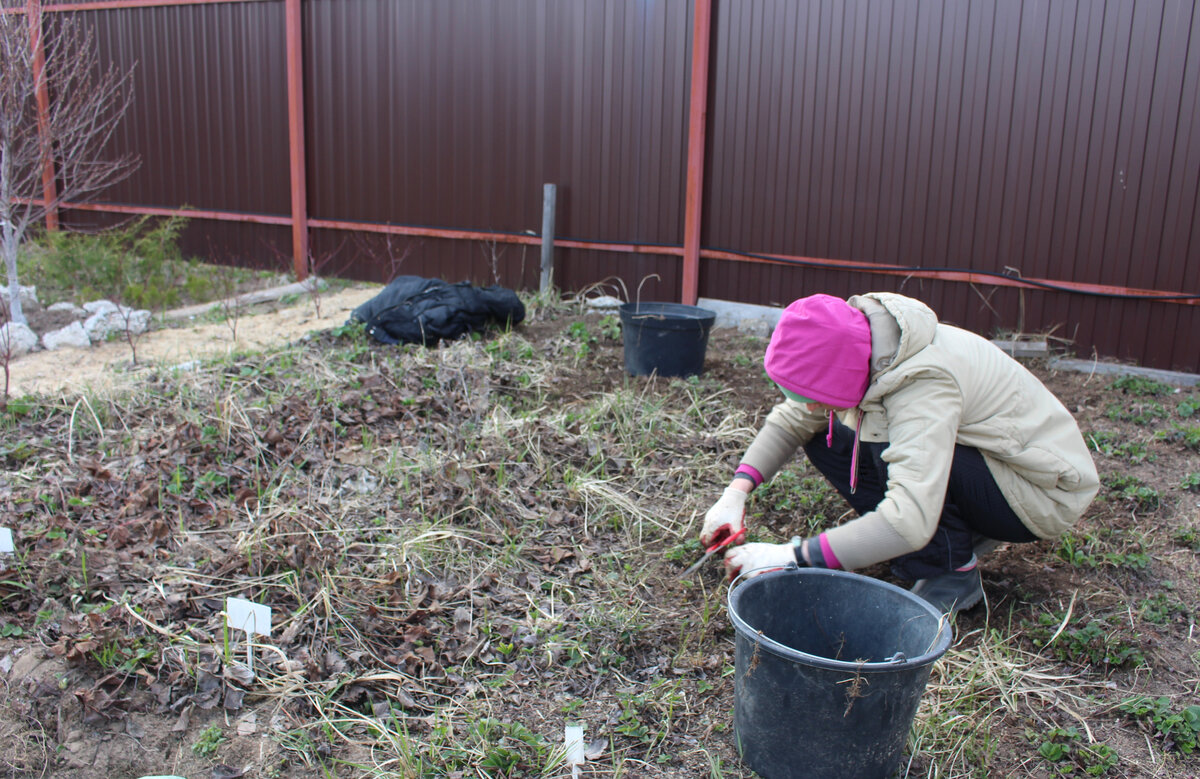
(53, 721)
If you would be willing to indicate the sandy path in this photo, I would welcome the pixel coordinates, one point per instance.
(107, 365)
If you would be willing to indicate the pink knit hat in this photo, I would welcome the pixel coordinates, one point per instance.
(821, 349)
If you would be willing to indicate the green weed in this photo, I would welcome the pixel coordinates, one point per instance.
(1188, 435)
(209, 741)
(801, 495)
(1137, 413)
(1111, 444)
(1105, 549)
(498, 748)
(1188, 406)
(610, 327)
(1179, 728)
(1188, 537)
(1133, 490)
(1096, 642)
(1162, 607)
(1140, 386)
(125, 655)
(1068, 754)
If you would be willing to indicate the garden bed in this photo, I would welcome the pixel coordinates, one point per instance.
(467, 547)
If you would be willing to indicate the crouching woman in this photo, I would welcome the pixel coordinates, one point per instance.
(942, 443)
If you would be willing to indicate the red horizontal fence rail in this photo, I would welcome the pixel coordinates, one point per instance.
(964, 276)
(689, 251)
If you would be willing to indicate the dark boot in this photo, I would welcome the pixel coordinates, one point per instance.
(953, 591)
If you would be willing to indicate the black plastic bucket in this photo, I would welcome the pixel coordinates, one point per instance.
(669, 339)
(830, 667)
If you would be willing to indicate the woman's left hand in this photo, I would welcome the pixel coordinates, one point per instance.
(759, 558)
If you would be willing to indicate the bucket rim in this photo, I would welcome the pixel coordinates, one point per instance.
(654, 309)
(937, 648)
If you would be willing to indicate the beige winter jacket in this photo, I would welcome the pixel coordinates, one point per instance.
(933, 385)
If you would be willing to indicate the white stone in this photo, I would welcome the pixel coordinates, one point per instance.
(100, 306)
(604, 303)
(70, 308)
(72, 335)
(100, 324)
(16, 339)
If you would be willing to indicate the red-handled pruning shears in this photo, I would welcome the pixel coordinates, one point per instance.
(724, 539)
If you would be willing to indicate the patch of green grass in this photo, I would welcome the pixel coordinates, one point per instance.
(610, 327)
(1112, 444)
(209, 741)
(1069, 755)
(1137, 413)
(1065, 749)
(1177, 726)
(1094, 642)
(495, 747)
(1107, 548)
(139, 265)
(1163, 607)
(1188, 435)
(1188, 537)
(1188, 406)
(1140, 386)
(125, 654)
(1133, 490)
(807, 496)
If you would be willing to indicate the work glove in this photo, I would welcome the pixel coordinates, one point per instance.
(759, 558)
(725, 518)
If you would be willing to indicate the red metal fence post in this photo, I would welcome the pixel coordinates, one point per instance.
(33, 10)
(697, 116)
(299, 181)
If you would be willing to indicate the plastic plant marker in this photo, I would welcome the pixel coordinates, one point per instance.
(6, 541)
(253, 618)
(573, 740)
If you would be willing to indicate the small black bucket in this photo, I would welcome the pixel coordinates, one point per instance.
(829, 669)
(665, 338)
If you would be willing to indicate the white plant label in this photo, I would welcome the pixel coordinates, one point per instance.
(253, 618)
(249, 616)
(573, 741)
(6, 541)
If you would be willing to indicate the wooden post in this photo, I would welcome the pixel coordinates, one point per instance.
(697, 116)
(299, 182)
(549, 198)
(33, 10)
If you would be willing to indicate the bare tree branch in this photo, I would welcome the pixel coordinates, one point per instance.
(86, 103)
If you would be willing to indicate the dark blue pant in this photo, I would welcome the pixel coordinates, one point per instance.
(974, 504)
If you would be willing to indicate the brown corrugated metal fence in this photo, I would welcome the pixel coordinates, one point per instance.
(1055, 140)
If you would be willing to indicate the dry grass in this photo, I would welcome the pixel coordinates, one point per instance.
(464, 548)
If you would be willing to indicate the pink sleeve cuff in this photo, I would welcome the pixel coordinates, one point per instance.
(750, 471)
(831, 560)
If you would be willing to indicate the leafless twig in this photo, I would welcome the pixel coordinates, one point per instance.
(86, 104)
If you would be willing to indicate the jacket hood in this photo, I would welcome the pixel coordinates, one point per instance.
(820, 350)
(900, 327)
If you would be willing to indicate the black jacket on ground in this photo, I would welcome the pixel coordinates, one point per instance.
(412, 309)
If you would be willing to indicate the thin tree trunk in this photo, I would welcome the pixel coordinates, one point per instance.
(8, 246)
(9, 237)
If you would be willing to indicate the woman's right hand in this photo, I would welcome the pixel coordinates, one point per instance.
(726, 517)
